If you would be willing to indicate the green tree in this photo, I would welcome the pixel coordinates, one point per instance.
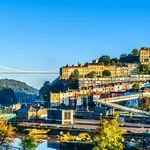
(123, 55)
(129, 59)
(57, 86)
(1, 86)
(6, 131)
(143, 69)
(144, 103)
(136, 86)
(108, 135)
(29, 143)
(135, 52)
(106, 73)
(75, 75)
(73, 79)
(104, 59)
(99, 76)
(91, 74)
(113, 61)
(62, 105)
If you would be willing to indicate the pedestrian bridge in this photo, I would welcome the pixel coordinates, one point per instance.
(122, 98)
(110, 102)
(122, 108)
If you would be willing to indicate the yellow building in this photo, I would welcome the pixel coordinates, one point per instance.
(64, 97)
(41, 113)
(54, 99)
(66, 71)
(145, 55)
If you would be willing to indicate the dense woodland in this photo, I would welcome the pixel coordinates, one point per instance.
(12, 90)
(18, 86)
(7, 97)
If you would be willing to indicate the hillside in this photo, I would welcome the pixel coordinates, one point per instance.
(7, 97)
(23, 93)
(18, 86)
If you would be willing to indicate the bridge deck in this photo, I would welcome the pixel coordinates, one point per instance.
(124, 108)
(122, 98)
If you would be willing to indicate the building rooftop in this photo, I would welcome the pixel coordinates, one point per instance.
(26, 109)
(145, 48)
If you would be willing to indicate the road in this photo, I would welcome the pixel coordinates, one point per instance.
(84, 124)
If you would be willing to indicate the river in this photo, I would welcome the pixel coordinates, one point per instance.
(46, 145)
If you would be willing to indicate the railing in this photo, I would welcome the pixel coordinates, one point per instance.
(121, 97)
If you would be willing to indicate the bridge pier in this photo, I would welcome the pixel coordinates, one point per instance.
(98, 105)
(111, 111)
(131, 114)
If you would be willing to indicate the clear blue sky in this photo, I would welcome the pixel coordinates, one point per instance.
(46, 34)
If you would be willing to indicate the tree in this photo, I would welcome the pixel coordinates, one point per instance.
(106, 73)
(1, 86)
(29, 143)
(145, 103)
(104, 59)
(86, 64)
(85, 137)
(73, 79)
(113, 61)
(45, 90)
(123, 55)
(143, 69)
(6, 131)
(75, 75)
(129, 59)
(62, 105)
(7, 96)
(136, 86)
(133, 57)
(135, 52)
(91, 74)
(109, 134)
(99, 76)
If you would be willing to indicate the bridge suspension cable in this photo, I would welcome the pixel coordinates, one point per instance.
(17, 71)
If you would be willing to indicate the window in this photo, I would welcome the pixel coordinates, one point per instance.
(67, 115)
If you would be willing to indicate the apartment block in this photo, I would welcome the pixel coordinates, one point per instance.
(116, 71)
(91, 82)
(145, 55)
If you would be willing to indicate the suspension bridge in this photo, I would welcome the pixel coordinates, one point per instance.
(17, 71)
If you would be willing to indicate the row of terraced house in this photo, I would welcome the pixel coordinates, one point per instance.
(116, 71)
